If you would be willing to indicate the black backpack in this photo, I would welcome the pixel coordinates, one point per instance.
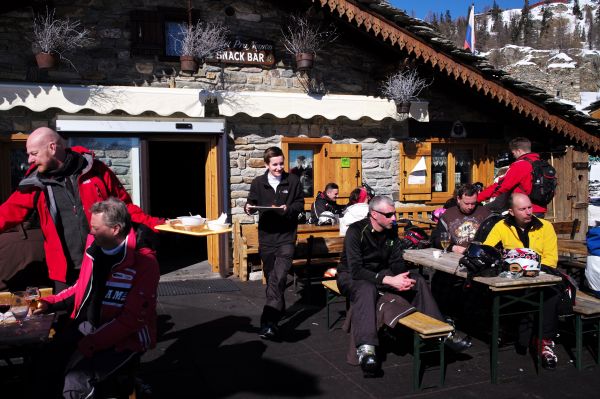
(543, 183)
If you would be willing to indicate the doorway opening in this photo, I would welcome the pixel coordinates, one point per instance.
(176, 187)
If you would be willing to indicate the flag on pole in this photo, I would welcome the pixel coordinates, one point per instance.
(470, 36)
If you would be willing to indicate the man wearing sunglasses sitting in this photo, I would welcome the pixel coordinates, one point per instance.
(373, 276)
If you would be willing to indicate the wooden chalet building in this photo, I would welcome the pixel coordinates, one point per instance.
(186, 142)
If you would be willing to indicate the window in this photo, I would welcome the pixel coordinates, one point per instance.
(121, 154)
(431, 170)
(317, 162)
(157, 33)
(300, 163)
(173, 36)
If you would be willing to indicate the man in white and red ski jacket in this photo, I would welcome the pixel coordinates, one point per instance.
(113, 316)
(62, 184)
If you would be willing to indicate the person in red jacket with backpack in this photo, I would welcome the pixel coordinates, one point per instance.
(518, 178)
(62, 184)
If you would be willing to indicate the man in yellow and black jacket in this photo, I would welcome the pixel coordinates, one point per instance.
(520, 229)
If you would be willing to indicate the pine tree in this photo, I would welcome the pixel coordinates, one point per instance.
(589, 20)
(514, 28)
(526, 27)
(496, 13)
(577, 9)
(447, 17)
(597, 24)
(543, 38)
(481, 33)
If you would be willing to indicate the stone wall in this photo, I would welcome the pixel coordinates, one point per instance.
(108, 60)
(115, 153)
(559, 82)
(379, 141)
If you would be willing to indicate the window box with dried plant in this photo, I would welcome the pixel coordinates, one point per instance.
(403, 87)
(200, 40)
(303, 40)
(55, 37)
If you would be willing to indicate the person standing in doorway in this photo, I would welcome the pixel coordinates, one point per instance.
(277, 196)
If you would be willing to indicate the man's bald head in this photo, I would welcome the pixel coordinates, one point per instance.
(520, 207)
(45, 149)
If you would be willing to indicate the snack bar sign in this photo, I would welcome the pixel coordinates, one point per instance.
(246, 52)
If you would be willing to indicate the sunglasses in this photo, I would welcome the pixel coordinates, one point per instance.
(386, 214)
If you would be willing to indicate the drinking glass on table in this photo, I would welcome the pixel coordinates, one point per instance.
(32, 296)
(445, 241)
(19, 306)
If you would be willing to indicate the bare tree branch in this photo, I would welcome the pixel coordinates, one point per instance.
(54, 35)
(302, 36)
(203, 39)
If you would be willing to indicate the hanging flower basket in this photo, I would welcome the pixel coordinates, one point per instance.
(46, 60)
(188, 63)
(403, 108)
(304, 61)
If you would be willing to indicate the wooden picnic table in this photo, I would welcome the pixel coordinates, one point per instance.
(33, 330)
(525, 291)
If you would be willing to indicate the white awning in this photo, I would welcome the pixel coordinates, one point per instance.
(330, 106)
(166, 101)
(101, 99)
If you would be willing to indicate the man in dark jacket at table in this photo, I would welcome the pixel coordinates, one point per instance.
(372, 262)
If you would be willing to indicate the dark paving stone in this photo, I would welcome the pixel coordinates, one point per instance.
(209, 348)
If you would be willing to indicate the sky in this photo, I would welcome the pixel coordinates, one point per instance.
(457, 7)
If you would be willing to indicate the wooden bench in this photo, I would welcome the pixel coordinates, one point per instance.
(319, 252)
(419, 216)
(332, 296)
(587, 311)
(568, 228)
(245, 242)
(424, 328)
(572, 263)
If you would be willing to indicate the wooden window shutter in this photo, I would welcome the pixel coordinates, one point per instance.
(147, 33)
(343, 166)
(410, 155)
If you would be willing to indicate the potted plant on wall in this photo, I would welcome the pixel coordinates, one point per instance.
(403, 87)
(303, 40)
(200, 40)
(55, 37)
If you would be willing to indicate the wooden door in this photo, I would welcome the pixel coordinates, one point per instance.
(571, 198)
(343, 166)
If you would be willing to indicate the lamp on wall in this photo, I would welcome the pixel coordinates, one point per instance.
(458, 130)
